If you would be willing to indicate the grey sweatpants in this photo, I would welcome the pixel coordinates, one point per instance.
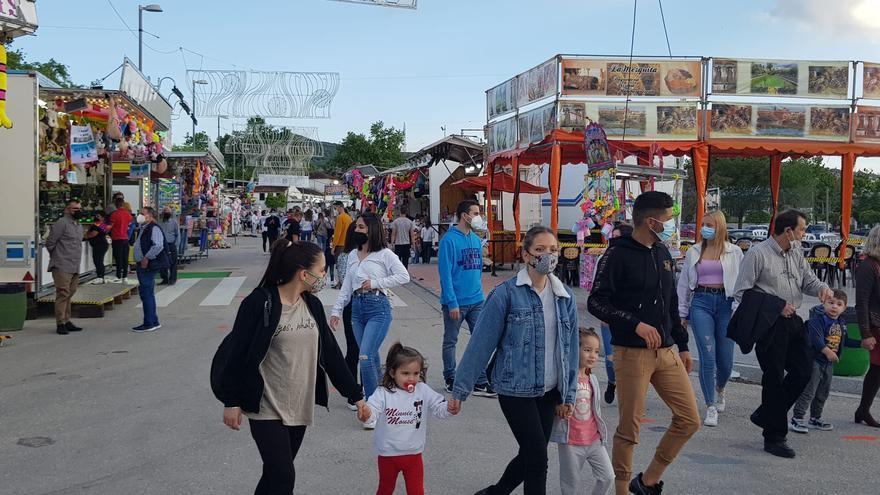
(816, 392)
(571, 464)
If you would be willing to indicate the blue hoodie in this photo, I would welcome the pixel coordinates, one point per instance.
(460, 262)
(824, 331)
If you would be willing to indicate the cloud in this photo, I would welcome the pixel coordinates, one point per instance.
(859, 18)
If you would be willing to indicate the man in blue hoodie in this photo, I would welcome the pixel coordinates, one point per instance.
(460, 263)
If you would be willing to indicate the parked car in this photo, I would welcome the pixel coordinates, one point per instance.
(817, 228)
(737, 234)
(759, 234)
(861, 232)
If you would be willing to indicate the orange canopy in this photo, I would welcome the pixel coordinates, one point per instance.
(503, 182)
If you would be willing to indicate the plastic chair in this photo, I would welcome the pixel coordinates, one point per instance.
(569, 266)
(744, 244)
(834, 270)
(820, 268)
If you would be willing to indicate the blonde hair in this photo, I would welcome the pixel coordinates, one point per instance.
(872, 243)
(720, 232)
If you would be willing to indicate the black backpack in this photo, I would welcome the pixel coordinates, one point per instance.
(221, 357)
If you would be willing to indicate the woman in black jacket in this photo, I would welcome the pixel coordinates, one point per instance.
(274, 364)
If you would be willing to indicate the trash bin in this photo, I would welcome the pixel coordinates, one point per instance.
(13, 307)
(854, 360)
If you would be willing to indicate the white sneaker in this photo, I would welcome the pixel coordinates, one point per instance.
(125, 280)
(711, 416)
(370, 424)
(352, 407)
(720, 403)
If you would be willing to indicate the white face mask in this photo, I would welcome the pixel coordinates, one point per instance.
(141, 219)
(477, 223)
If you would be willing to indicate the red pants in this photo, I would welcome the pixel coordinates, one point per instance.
(413, 474)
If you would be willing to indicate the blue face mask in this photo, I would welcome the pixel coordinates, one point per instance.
(707, 233)
(668, 230)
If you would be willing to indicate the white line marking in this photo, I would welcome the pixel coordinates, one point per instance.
(224, 292)
(171, 292)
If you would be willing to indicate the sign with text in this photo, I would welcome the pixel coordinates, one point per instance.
(680, 78)
(83, 148)
(284, 180)
(337, 191)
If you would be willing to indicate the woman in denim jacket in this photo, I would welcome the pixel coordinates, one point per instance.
(530, 324)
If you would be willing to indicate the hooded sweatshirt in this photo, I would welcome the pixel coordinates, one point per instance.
(636, 284)
(823, 331)
(460, 262)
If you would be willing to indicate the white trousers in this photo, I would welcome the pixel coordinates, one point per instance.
(571, 465)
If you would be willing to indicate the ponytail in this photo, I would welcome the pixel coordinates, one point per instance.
(400, 355)
(287, 259)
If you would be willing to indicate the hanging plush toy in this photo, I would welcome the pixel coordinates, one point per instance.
(4, 119)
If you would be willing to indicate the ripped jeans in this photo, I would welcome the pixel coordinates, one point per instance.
(370, 319)
(710, 313)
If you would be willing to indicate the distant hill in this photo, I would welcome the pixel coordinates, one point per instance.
(329, 153)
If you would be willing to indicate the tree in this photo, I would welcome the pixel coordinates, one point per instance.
(53, 69)
(758, 217)
(201, 142)
(276, 201)
(381, 149)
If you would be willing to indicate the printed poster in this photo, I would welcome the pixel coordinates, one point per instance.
(169, 195)
(781, 121)
(641, 78)
(620, 120)
(82, 144)
(572, 115)
(781, 78)
(537, 83)
(829, 123)
(501, 99)
(502, 136)
(731, 120)
(535, 125)
(866, 122)
(871, 81)
(139, 170)
(596, 146)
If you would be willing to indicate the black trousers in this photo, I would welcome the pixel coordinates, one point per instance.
(403, 251)
(265, 238)
(352, 350)
(531, 421)
(98, 258)
(783, 350)
(278, 446)
(120, 257)
(271, 237)
(169, 275)
(426, 252)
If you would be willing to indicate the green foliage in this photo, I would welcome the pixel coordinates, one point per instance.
(869, 217)
(53, 69)
(757, 217)
(381, 149)
(276, 201)
(200, 144)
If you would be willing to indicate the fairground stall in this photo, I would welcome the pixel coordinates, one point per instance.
(651, 109)
(71, 141)
(191, 188)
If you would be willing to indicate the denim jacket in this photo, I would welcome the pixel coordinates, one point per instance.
(560, 426)
(511, 326)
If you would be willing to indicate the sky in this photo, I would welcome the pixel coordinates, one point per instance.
(429, 68)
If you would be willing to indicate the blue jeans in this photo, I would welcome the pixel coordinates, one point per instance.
(370, 320)
(305, 236)
(710, 314)
(469, 313)
(609, 352)
(322, 240)
(147, 290)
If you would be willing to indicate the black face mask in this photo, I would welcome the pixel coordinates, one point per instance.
(166, 216)
(360, 238)
(77, 214)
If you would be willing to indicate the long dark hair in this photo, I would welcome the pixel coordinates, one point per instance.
(534, 232)
(400, 355)
(375, 232)
(349, 239)
(287, 259)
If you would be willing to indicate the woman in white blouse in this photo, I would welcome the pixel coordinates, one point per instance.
(369, 275)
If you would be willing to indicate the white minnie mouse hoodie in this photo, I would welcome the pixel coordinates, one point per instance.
(402, 415)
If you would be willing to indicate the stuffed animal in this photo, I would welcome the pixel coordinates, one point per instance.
(4, 119)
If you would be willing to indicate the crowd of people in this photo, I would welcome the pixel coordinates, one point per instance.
(529, 350)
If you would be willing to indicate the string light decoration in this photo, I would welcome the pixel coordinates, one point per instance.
(242, 94)
(401, 4)
(276, 149)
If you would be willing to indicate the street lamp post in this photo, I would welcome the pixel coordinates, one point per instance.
(195, 81)
(153, 7)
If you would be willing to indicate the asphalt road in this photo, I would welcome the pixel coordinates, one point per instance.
(109, 411)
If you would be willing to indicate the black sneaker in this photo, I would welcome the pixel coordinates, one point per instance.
(61, 330)
(639, 487)
(72, 328)
(609, 393)
(779, 449)
(449, 384)
(484, 390)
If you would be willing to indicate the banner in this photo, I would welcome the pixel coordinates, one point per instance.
(82, 144)
(501, 136)
(826, 123)
(139, 170)
(866, 124)
(501, 99)
(337, 191)
(871, 81)
(533, 126)
(679, 78)
(537, 83)
(169, 195)
(781, 78)
(639, 120)
(283, 180)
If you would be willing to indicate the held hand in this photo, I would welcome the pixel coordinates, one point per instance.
(367, 285)
(650, 335)
(565, 411)
(834, 358)
(145, 262)
(560, 411)
(232, 417)
(334, 322)
(455, 314)
(869, 343)
(684, 324)
(364, 412)
(825, 294)
(687, 361)
(454, 406)
(788, 310)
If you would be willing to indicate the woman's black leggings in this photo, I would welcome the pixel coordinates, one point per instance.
(98, 259)
(531, 421)
(352, 350)
(278, 445)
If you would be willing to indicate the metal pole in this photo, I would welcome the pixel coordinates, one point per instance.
(218, 127)
(140, 38)
(194, 116)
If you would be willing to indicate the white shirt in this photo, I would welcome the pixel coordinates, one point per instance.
(382, 268)
(402, 418)
(548, 301)
(427, 234)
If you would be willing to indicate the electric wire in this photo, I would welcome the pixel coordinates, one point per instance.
(665, 32)
(632, 41)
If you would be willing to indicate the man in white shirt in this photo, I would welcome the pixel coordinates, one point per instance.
(401, 229)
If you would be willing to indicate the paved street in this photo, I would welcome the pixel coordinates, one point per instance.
(109, 411)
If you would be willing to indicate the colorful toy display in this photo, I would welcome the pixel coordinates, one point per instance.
(4, 119)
